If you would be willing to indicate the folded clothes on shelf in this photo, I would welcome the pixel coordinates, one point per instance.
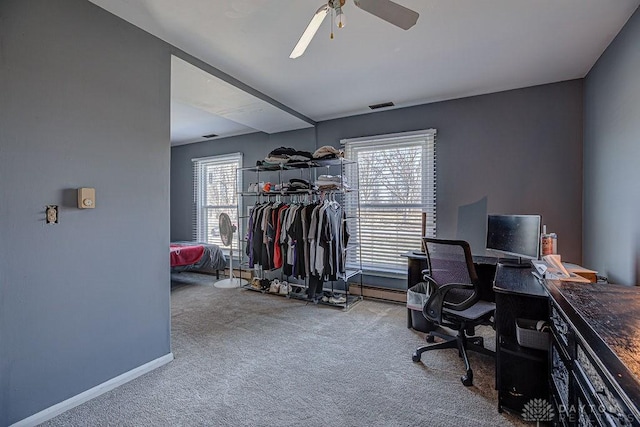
(331, 182)
(286, 155)
(299, 184)
(327, 152)
(294, 184)
(269, 165)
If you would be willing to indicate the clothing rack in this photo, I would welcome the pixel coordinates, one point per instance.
(328, 284)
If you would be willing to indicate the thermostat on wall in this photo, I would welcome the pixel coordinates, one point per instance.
(86, 198)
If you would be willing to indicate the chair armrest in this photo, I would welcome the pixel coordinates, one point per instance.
(432, 285)
(463, 305)
(432, 309)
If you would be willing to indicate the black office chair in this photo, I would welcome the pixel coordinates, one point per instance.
(454, 300)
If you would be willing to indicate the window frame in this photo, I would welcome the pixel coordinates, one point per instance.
(201, 180)
(367, 243)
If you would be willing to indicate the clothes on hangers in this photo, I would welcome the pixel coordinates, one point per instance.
(304, 239)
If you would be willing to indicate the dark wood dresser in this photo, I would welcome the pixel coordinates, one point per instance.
(594, 357)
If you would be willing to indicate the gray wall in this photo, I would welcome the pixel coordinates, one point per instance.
(84, 101)
(518, 151)
(611, 154)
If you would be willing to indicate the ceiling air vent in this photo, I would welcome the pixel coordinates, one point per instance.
(211, 135)
(383, 105)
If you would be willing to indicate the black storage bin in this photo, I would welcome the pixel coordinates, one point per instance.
(417, 295)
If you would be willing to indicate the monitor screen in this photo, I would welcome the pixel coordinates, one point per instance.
(516, 235)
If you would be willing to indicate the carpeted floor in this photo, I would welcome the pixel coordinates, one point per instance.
(244, 358)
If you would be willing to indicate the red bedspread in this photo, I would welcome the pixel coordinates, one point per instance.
(185, 254)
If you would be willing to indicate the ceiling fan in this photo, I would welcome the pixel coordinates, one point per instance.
(387, 10)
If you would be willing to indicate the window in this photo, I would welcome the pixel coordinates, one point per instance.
(215, 191)
(397, 197)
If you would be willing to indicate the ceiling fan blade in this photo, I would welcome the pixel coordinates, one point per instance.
(308, 34)
(389, 11)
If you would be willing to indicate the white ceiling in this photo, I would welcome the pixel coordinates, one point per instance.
(202, 104)
(457, 48)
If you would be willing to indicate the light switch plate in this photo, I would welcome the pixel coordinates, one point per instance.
(86, 198)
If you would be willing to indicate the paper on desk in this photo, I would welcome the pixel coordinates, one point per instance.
(540, 266)
(577, 268)
(551, 267)
(555, 267)
(573, 277)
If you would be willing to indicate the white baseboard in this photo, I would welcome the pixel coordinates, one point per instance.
(59, 408)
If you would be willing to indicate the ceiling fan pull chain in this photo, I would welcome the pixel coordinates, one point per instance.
(333, 13)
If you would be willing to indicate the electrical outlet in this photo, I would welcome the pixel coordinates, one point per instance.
(52, 214)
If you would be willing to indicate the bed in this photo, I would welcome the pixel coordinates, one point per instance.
(197, 257)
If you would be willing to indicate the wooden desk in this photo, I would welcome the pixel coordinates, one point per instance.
(595, 353)
(521, 372)
(591, 373)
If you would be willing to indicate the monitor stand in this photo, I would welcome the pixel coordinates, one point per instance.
(514, 262)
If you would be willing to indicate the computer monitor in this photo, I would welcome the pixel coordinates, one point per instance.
(514, 235)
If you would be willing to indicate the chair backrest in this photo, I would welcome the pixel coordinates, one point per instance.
(450, 261)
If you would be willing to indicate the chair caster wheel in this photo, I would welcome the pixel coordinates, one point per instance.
(430, 338)
(415, 357)
(467, 380)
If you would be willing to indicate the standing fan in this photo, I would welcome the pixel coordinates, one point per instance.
(226, 234)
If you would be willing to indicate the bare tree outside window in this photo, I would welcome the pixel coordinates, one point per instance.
(396, 183)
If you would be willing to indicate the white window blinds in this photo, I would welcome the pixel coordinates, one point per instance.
(397, 197)
(215, 190)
